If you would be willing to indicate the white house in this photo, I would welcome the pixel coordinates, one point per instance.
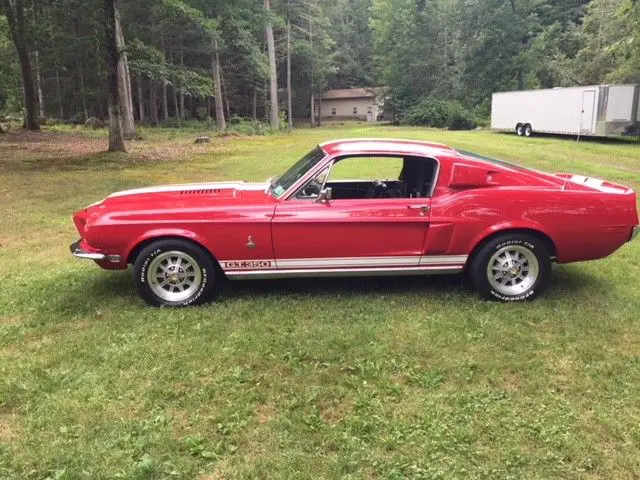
(352, 104)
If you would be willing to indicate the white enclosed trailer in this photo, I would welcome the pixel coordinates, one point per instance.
(598, 110)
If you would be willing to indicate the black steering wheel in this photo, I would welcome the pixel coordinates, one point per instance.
(377, 190)
(310, 190)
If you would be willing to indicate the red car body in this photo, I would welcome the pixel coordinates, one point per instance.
(251, 232)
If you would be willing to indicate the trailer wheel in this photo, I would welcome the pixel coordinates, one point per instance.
(527, 130)
(519, 129)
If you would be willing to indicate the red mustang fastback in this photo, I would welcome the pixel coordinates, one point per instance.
(361, 207)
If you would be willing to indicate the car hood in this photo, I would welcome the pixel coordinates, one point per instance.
(188, 194)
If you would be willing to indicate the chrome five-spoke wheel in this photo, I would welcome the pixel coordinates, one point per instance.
(174, 276)
(512, 270)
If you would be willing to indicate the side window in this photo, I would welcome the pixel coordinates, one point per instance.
(373, 177)
(333, 111)
(355, 110)
(366, 168)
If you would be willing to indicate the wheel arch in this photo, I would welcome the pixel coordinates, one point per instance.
(148, 239)
(542, 236)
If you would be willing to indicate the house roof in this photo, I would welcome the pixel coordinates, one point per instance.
(367, 92)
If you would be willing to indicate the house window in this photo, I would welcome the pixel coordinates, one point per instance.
(355, 110)
(369, 109)
(333, 111)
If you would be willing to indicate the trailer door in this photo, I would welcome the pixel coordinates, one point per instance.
(588, 110)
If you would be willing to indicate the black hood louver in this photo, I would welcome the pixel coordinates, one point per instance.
(204, 191)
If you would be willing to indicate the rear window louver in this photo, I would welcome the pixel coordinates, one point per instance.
(203, 191)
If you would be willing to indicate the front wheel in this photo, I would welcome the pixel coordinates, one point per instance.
(174, 273)
(511, 267)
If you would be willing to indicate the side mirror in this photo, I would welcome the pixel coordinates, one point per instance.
(324, 196)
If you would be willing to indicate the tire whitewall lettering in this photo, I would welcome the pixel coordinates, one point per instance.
(174, 273)
(511, 267)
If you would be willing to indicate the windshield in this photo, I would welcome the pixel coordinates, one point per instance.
(295, 173)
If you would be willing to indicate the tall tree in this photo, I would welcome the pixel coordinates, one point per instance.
(116, 138)
(274, 113)
(15, 13)
(124, 83)
(217, 85)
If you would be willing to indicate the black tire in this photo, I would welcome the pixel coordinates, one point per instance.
(202, 285)
(520, 243)
(519, 129)
(528, 131)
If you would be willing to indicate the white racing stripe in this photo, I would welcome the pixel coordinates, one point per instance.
(192, 186)
(344, 262)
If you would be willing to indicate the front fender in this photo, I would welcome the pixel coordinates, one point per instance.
(158, 233)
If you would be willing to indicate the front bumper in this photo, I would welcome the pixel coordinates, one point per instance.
(79, 252)
(635, 232)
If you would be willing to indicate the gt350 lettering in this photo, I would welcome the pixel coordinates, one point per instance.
(247, 264)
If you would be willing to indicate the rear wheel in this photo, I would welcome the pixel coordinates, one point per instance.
(528, 130)
(511, 267)
(520, 129)
(174, 273)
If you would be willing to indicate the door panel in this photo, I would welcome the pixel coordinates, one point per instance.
(344, 229)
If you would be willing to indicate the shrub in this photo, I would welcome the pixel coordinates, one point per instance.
(246, 126)
(440, 114)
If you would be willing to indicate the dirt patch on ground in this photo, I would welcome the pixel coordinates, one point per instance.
(20, 150)
(8, 428)
(266, 412)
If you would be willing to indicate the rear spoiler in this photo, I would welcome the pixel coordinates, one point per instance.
(572, 181)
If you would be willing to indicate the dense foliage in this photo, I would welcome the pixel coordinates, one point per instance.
(454, 51)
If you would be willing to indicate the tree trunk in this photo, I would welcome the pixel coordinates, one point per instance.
(176, 105)
(165, 100)
(254, 108)
(14, 11)
(124, 84)
(175, 91)
(82, 91)
(313, 101)
(140, 99)
(289, 108)
(116, 139)
(181, 114)
(59, 93)
(274, 113)
(153, 104)
(36, 61)
(215, 64)
(225, 93)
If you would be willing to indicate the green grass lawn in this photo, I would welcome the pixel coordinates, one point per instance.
(351, 378)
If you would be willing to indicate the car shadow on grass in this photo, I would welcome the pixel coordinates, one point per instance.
(88, 292)
(343, 285)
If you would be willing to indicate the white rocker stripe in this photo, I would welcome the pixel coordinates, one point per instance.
(343, 272)
(344, 262)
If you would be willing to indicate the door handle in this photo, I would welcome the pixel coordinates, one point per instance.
(423, 209)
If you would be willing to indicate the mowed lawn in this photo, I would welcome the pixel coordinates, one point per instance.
(352, 378)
